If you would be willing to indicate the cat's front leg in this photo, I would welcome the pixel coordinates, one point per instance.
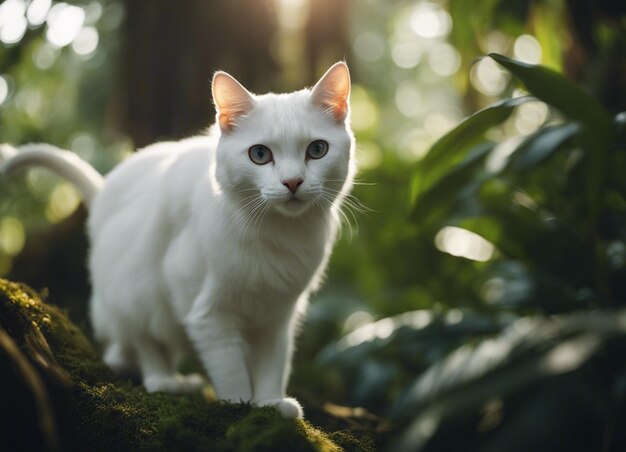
(270, 356)
(221, 349)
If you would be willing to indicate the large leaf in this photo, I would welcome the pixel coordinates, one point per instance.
(540, 145)
(400, 347)
(532, 234)
(564, 95)
(451, 148)
(438, 198)
(559, 92)
(481, 392)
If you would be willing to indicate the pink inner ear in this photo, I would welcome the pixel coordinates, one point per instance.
(331, 93)
(228, 120)
(231, 99)
(338, 109)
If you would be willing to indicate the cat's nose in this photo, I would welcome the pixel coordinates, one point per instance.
(293, 184)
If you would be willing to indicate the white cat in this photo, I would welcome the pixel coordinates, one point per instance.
(216, 241)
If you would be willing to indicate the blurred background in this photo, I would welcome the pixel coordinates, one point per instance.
(476, 292)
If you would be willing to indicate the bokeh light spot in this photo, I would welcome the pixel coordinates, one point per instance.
(356, 320)
(487, 77)
(38, 11)
(493, 290)
(45, 56)
(406, 55)
(437, 124)
(10, 10)
(429, 20)
(369, 46)
(84, 144)
(13, 31)
(86, 42)
(463, 243)
(63, 202)
(496, 42)
(64, 24)
(93, 12)
(527, 49)
(4, 89)
(409, 99)
(499, 156)
(454, 316)
(12, 21)
(414, 145)
(444, 59)
(530, 116)
(12, 236)
(29, 101)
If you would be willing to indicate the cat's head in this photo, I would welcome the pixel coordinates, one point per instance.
(285, 152)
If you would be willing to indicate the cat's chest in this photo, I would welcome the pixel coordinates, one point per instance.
(277, 266)
(246, 273)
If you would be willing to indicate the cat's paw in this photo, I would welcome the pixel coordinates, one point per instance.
(194, 382)
(288, 407)
(178, 384)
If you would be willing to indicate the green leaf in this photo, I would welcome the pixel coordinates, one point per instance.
(541, 145)
(536, 366)
(439, 196)
(558, 91)
(564, 95)
(450, 148)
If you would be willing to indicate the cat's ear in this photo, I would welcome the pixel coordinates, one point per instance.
(332, 92)
(231, 100)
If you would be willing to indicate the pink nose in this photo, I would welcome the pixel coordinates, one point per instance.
(292, 184)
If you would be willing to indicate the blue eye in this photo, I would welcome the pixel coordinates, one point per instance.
(317, 149)
(260, 154)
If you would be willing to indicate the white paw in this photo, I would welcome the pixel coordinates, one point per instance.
(288, 407)
(178, 384)
(117, 360)
(193, 382)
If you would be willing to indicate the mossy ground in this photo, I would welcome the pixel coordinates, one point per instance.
(57, 394)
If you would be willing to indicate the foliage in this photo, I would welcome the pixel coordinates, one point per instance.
(554, 207)
(539, 378)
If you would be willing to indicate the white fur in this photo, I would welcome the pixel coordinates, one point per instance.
(65, 163)
(193, 243)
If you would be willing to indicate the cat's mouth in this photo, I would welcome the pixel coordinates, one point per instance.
(292, 207)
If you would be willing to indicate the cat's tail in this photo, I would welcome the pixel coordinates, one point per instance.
(65, 163)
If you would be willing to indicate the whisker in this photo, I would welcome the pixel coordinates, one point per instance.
(354, 182)
(351, 200)
(246, 189)
(242, 209)
(248, 221)
(341, 212)
(247, 211)
(258, 216)
(325, 207)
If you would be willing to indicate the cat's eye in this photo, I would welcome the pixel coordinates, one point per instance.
(317, 149)
(260, 154)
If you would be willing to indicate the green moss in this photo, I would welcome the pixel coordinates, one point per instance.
(264, 429)
(92, 410)
(350, 443)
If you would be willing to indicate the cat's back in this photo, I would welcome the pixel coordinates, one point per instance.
(142, 182)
